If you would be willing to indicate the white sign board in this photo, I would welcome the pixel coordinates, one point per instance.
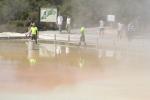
(48, 15)
(111, 18)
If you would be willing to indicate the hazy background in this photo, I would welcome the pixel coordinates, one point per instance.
(17, 13)
(90, 11)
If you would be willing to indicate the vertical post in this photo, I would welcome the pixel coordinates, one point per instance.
(55, 38)
(68, 37)
(97, 41)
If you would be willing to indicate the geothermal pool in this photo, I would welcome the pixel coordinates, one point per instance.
(66, 72)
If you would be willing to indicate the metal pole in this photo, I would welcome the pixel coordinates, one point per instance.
(55, 38)
(68, 37)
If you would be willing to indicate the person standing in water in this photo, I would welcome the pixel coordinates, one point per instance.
(101, 29)
(82, 37)
(68, 24)
(119, 31)
(60, 23)
(34, 32)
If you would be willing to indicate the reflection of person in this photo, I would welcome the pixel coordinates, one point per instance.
(82, 37)
(60, 22)
(68, 24)
(81, 62)
(32, 61)
(31, 57)
(34, 32)
(101, 28)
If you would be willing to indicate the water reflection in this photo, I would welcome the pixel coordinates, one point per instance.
(59, 64)
(72, 55)
(58, 50)
(31, 49)
(79, 54)
(67, 50)
(47, 50)
(106, 53)
(81, 62)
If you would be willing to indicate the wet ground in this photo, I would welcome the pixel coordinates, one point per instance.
(63, 72)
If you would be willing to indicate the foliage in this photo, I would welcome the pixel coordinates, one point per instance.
(81, 11)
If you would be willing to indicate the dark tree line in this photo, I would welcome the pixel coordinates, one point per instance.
(81, 11)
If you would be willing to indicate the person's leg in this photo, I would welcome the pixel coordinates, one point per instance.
(118, 35)
(32, 37)
(83, 39)
(59, 28)
(69, 29)
(36, 38)
(102, 33)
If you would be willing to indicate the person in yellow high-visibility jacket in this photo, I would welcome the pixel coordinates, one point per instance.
(34, 32)
(82, 37)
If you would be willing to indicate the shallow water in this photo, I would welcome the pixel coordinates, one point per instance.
(63, 72)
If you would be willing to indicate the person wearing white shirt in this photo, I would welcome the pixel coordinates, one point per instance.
(60, 22)
(119, 30)
(101, 28)
(68, 24)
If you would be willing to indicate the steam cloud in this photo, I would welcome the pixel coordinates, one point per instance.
(89, 12)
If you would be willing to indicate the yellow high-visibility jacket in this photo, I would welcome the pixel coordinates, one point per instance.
(34, 30)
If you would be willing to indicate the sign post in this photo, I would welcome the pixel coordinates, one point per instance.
(111, 19)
